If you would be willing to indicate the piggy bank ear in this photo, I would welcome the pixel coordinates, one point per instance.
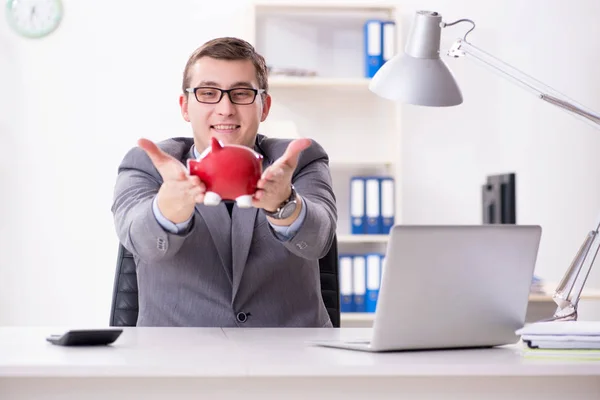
(216, 144)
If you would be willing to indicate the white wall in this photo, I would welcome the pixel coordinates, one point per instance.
(73, 103)
(501, 127)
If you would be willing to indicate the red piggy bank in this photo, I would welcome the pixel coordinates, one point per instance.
(229, 172)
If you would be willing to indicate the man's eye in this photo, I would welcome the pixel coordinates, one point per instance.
(207, 93)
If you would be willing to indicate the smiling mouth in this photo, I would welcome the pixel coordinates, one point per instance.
(225, 128)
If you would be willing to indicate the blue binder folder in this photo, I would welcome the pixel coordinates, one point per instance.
(389, 40)
(373, 46)
(357, 205)
(359, 272)
(373, 205)
(387, 204)
(346, 287)
(373, 281)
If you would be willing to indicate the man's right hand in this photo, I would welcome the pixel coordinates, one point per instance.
(179, 192)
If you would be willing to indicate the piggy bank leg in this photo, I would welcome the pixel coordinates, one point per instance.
(211, 199)
(244, 201)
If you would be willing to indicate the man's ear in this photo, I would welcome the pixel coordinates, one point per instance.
(266, 107)
(183, 103)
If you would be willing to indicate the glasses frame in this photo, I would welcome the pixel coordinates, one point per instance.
(223, 92)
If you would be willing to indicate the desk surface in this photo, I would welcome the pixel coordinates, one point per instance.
(192, 352)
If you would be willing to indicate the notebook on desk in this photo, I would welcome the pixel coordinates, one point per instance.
(562, 335)
(451, 287)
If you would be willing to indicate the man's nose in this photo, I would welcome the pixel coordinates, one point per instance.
(225, 106)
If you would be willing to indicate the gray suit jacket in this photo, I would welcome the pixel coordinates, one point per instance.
(224, 266)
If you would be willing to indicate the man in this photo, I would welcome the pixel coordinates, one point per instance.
(200, 265)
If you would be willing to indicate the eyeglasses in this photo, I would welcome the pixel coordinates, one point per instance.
(212, 95)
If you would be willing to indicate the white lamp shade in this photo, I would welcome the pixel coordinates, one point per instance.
(419, 76)
(418, 81)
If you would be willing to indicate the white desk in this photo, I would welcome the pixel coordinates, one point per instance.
(153, 363)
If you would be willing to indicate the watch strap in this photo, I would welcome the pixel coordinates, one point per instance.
(283, 211)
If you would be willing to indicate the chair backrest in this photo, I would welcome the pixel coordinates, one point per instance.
(124, 310)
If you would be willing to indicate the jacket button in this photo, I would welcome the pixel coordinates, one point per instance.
(242, 317)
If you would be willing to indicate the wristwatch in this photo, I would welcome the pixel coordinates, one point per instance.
(285, 209)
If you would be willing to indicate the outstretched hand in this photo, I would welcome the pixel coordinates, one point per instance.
(179, 192)
(275, 185)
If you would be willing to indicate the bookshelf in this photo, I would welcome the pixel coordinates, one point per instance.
(328, 99)
(332, 103)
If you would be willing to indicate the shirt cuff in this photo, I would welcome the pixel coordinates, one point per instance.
(165, 223)
(288, 232)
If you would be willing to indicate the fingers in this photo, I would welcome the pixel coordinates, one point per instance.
(195, 181)
(168, 167)
(157, 156)
(272, 173)
(259, 194)
(288, 162)
(290, 157)
(197, 189)
(257, 199)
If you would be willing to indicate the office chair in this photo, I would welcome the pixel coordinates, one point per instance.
(124, 309)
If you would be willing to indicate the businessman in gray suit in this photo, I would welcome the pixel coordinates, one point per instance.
(225, 266)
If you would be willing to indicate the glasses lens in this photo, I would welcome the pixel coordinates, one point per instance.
(208, 95)
(242, 96)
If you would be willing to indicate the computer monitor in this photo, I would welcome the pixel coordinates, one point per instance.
(499, 203)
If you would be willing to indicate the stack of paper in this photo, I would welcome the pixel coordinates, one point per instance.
(562, 335)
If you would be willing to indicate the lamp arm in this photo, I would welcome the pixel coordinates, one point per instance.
(568, 292)
(461, 48)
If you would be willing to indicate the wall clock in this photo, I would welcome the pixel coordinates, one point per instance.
(34, 18)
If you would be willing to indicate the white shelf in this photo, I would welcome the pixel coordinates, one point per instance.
(318, 82)
(357, 317)
(362, 238)
(368, 164)
(265, 5)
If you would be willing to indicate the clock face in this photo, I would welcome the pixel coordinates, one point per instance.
(34, 18)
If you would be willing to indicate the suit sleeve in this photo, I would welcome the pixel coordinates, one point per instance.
(137, 228)
(312, 181)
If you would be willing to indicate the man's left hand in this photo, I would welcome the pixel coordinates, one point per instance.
(275, 184)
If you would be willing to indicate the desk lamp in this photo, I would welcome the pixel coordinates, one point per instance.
(420, 77)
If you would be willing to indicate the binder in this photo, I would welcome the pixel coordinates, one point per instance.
(389, 40)
(373, 46)
(357, 205)
(387, 204)
(359, 272)
(373, 281)
(373, 205)
(346, 288)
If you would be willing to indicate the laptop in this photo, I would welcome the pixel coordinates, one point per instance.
(451, 287)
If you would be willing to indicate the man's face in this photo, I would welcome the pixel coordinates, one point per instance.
(231, 123)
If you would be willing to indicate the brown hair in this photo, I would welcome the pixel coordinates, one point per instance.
(228, 48)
